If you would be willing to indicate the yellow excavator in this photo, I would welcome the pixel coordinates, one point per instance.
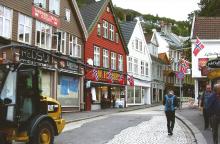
(26, 115)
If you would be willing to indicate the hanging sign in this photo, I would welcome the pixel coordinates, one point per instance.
(213, 63)
(180, 75)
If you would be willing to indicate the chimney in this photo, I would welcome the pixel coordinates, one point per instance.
(165, 27)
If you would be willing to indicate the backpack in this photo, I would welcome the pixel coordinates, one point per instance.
(169, 105)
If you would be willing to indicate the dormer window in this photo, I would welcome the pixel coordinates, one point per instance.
(54, 6)
(40, 3)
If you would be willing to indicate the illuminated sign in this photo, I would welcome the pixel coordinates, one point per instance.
(45, 17)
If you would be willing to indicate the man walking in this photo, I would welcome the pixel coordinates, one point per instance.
(204, 103)
(170, 102)
(214, 107)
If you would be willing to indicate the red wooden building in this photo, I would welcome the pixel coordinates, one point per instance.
(105, 54)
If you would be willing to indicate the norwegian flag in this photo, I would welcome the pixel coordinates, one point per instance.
(109, 76)
(199, 46)
(95, 74)
(131, 80)
(121, 79)
(183, 65)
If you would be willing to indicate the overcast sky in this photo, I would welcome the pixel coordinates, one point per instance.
(175, 9)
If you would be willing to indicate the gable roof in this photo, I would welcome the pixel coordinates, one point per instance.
(157, 59)
(171, 39)
(91, 14)
(127, 29)
(206, 28)
(80, 19)
(164, 58)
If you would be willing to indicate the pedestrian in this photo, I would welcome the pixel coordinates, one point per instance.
(170, 102)
(214, 109)
(204, 103)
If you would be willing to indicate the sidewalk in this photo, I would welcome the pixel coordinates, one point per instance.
(73, 117)
(194, 119)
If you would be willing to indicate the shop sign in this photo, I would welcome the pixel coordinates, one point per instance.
(68, 65)
(45, 17)
(214, 63)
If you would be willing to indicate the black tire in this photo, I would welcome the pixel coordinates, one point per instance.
(44, 129)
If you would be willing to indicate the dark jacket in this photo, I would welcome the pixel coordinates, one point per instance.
(213, 106)
(204, 99)
(175, 100)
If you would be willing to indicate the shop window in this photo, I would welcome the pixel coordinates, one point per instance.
(111, 32)
(24, 29)
(96, 56)
(130, 64)
(136, 66)
(105, 29)
(74, 47)
(99, 30)
(142, 67)
(130, 93)
(105, 58)
(40, 3)
(54, 6)
(138, 94)
(5, 22)
(45, 83)
(120, 62)
(113, 60)
(61, 41)
(116, 38)
(43, 35)
(68, 90)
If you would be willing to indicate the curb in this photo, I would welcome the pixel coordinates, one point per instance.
(199, 138)
(118, 111)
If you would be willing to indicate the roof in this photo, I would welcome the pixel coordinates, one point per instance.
(148, 37)
(164, 58)
(172, 40)
(156, 59)
(127, 29)
(206, 28)
(90, 12)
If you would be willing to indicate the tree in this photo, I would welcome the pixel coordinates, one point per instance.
(209, 8)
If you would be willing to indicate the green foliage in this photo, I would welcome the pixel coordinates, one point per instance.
(209, 8)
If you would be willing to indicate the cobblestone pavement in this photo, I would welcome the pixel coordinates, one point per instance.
(153, 131)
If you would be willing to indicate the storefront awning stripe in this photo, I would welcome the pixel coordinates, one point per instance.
(103, 83)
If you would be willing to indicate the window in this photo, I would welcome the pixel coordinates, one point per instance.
(116, 38)
(43, 35)
(24, 29)
(96, 56)
(136, 44)
(75, 47)
(142, 68)
(113, 60)
(130, 65)
(140, 46)
(111, 32)
(99, 30)
(40, 3)
(54, 6)
(67, 15)
(120, 62)
(135, 66)
(107, 9)
(105, 58)
(132, 44)
(5, 22)
(61, 41)
(105, 29)
(146, 69)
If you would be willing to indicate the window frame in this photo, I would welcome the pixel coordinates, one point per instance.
(135, 62)
(130, 64)
(63, 39)
(116, 37)
(105, 58)
(4, 18)
(120, 62)
(25, 27)
(111, 32)
(43, 2)
(142, 68)
(146, 69)
(99, 30)
(52, 5)
(105, 29)
(97, 55)
(113, 60)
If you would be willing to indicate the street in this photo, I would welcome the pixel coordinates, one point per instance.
(145, 126)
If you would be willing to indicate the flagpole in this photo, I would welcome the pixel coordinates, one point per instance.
(180, 93)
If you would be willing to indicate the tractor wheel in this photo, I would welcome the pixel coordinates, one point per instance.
(43, 134)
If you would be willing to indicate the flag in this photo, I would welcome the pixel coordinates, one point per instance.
(199, 46)
(183, 65)
(95, 74)
(109, 76)
(121, 79)
(131, 80)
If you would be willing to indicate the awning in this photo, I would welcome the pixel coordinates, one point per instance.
(213, 74)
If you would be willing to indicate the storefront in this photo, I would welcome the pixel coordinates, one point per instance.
(157, 92)
(103, 93)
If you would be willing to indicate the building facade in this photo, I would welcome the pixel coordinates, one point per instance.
(105, 55)
(138, 64)
(56, 27)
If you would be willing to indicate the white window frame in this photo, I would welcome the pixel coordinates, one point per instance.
(62, 41)
(140, 45)
(42, 2)
(68, 15)
(120, 62)
(99, 31)
(75, 49)
(96, 56)
(111, 32)
(136, 44)
(25, 26)
(135, 65)
(4, 33)
(46, 45)
(105, 29)
(105, 58)
(113, 60)
(130, 64)
(53, 5)
(116, 37)
(142, 68)
(146, 69)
